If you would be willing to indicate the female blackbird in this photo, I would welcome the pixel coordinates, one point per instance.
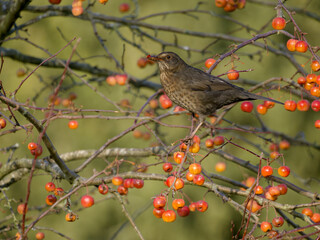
(196, 90)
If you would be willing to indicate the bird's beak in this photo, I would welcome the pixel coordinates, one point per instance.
(153, 58)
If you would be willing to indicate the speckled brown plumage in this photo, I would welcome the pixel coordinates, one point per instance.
(196, 90)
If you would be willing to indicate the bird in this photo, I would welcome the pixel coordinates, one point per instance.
(195, 90)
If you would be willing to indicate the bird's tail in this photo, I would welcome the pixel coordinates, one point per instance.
(255, 96)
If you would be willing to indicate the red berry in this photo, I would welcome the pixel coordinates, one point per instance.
(301, 46)
(196, 139)
(122, 190)
(209, 143)
(229, 7)
(284, 144)
(178, 157)
(32, 146)
(315, 105)
(51, 199)
(220, 166)
(247, 106)
(308, 86)
(59, 192)
(3, 123)
(284, 171)
(189, 176)
(198, 179)
(317, 123)
(70, 217)
(21, 208)
(250, 181)
(301, 80)
(218, 140)
(277, 221)
(124, 7)
(274, 155)
(179, 184)
(273, 147)
(117, 181)
(178, 203)
(153, 103)
(253, 206)
(195, 168)
(307, 211)
(111, 80)
(315, 66)
(73, 124)
(283, 188)
(209, 62)
(266, 226)
(233, 74)
(121, 79)
(290, 105)
(268, 104)
(202, 206)
(266, 171)
(50, 186)
(221, 3)
(77, 10)
(54, 1)
(159, 202)
(194, 148)
(142, 62)
(315, 217)
(165, 102)
(291, 44)
(40, 235)
(169, 181)
(87, 201)
(103, 189)
(128, 183)
(258, 190)
(315, 91)
(167, 167)
(183, 211)
(158, 212)
(311, 78)
(37, 152)
(138, 183)
(303, 105)
(278, 23)
(169, 216)
(274, 191)
(262, 109)
(193, 206)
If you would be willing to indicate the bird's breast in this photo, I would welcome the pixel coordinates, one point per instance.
(178, 91)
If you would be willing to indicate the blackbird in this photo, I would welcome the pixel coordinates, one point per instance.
(195, 90)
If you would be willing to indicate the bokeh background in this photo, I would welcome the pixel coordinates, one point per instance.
(105, 219)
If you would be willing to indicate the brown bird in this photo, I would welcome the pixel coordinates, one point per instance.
(196, 90)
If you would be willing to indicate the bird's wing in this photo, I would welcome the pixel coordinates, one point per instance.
(202, 81)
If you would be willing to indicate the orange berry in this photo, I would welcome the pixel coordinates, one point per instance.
(291, 44)
(209, 62)
(73, 124)
(220, 166)
(278, 23)
(315, 66)
(70, 217)
(233, 74)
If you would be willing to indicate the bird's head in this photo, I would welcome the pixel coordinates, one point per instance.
(168, 61)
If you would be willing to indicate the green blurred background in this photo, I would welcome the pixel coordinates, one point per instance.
(105, 218)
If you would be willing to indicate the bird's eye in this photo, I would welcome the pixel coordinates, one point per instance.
(168, 57)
